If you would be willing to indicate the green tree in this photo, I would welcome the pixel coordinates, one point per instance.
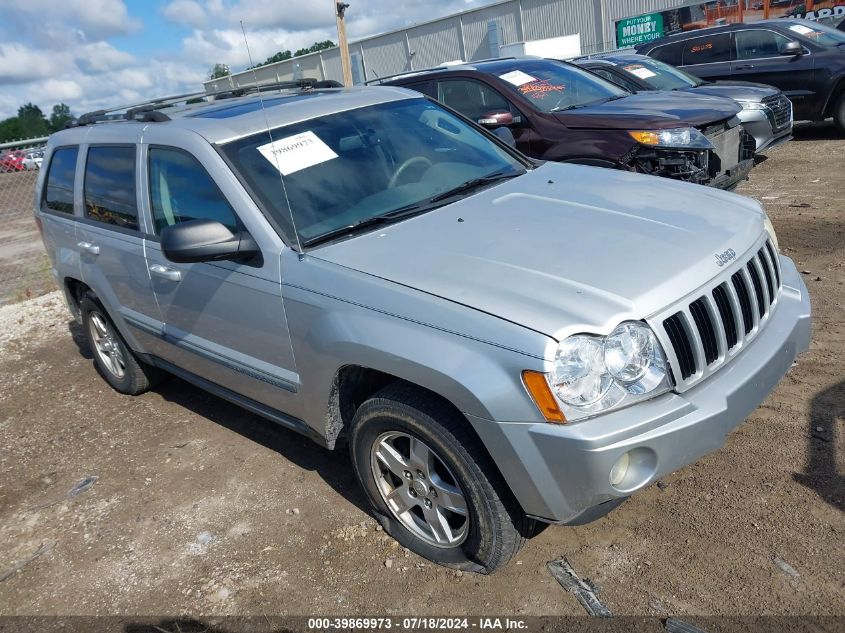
(61, 115)
(276, 57)
(219, 70)
(10, 129)
(316, 46)
(32, 121)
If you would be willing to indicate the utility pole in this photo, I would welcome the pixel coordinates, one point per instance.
(340, 12)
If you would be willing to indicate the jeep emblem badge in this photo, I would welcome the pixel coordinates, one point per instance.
(725, 257)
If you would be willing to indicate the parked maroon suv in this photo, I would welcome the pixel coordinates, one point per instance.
(557, 111)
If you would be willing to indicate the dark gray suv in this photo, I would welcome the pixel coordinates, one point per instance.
(804, 59)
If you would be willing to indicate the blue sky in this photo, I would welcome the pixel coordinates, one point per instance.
(96, 53)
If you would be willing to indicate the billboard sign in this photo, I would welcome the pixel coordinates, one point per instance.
(643, 28)
(651, 26)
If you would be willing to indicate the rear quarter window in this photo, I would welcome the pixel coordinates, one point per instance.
(669, 53)
(58, 194)
(707, 50)
(110, 186)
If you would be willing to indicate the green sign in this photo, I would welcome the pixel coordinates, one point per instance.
(643, 28)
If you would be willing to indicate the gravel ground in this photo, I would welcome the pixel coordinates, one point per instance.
(201, 508)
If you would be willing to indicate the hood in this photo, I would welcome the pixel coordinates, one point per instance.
(734, 90)
(562, 249)
(652, 110)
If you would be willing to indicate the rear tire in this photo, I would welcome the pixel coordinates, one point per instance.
(115, 362)
(406, 446)
(839, 114)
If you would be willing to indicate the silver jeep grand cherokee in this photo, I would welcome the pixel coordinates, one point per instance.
(498, 341)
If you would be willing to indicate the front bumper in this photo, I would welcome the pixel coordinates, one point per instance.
(759, 124)
(730, 178)
(561, 472)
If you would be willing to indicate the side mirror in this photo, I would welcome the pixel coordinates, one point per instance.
(498, 118)
(792, 48)
(205, 241)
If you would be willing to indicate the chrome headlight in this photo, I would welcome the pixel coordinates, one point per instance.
(681, 138)
(594, 374)
(767, 224)
(751, 105)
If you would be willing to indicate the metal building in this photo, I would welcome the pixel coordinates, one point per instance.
(470, 35)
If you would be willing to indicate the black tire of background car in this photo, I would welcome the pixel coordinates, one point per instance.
(498, 526)
(138, 376)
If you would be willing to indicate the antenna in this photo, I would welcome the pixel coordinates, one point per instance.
(270, 134)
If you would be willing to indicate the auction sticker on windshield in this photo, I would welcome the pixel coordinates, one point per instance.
(517, 78)
(640, 71)
(296, 152)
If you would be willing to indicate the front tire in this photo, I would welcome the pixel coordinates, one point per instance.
(430, 483)
(114, 360)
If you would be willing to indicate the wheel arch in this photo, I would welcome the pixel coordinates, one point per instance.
(833, 98)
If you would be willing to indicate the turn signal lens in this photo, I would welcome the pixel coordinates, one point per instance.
(646, 137)
(538, 387)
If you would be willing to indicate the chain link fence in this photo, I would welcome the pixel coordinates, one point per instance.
(24, 266)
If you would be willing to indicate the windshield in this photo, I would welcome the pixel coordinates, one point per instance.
(820, 34)
(344, 169)
(659, 75)
(553, 86)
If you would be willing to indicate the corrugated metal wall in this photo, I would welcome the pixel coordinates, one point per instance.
(436, 42)
(465, 36)
(386, 55)
(476, 42)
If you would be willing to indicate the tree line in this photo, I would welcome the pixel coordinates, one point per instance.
(222, 70)
(31, 122)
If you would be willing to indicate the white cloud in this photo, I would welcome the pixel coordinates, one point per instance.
(91, 19)
(20, 63)
(100, 57)
(55, 51)
(186, 12)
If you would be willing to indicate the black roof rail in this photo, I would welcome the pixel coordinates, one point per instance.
(151, 111)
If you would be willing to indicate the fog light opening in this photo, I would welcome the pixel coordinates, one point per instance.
(619, 470)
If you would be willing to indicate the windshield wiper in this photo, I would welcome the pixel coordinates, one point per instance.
(473, 184)
(588, 104)
(408, 210)
(385, 218)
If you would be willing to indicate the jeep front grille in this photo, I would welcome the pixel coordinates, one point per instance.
(781, 108)
(705, 332)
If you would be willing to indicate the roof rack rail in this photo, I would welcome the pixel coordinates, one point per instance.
(151, 111)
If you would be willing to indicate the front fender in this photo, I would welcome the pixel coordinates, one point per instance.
(479, 373)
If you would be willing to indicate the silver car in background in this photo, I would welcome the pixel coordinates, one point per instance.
(766, 112)
(498, 341)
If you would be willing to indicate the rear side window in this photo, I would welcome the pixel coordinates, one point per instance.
(110, 186)
(182, 190)
(707, 50)
(669, 53)
(471, 98)
(58, 195)
(758, 43)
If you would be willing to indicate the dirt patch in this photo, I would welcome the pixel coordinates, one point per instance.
(202, 508)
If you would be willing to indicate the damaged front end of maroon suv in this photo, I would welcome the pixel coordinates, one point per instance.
(557, 111)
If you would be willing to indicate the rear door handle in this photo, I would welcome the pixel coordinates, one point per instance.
(171, 274)
(88, 247)
(744, 67)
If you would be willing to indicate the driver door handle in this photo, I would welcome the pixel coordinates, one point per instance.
(171, 274)
(88, 247)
